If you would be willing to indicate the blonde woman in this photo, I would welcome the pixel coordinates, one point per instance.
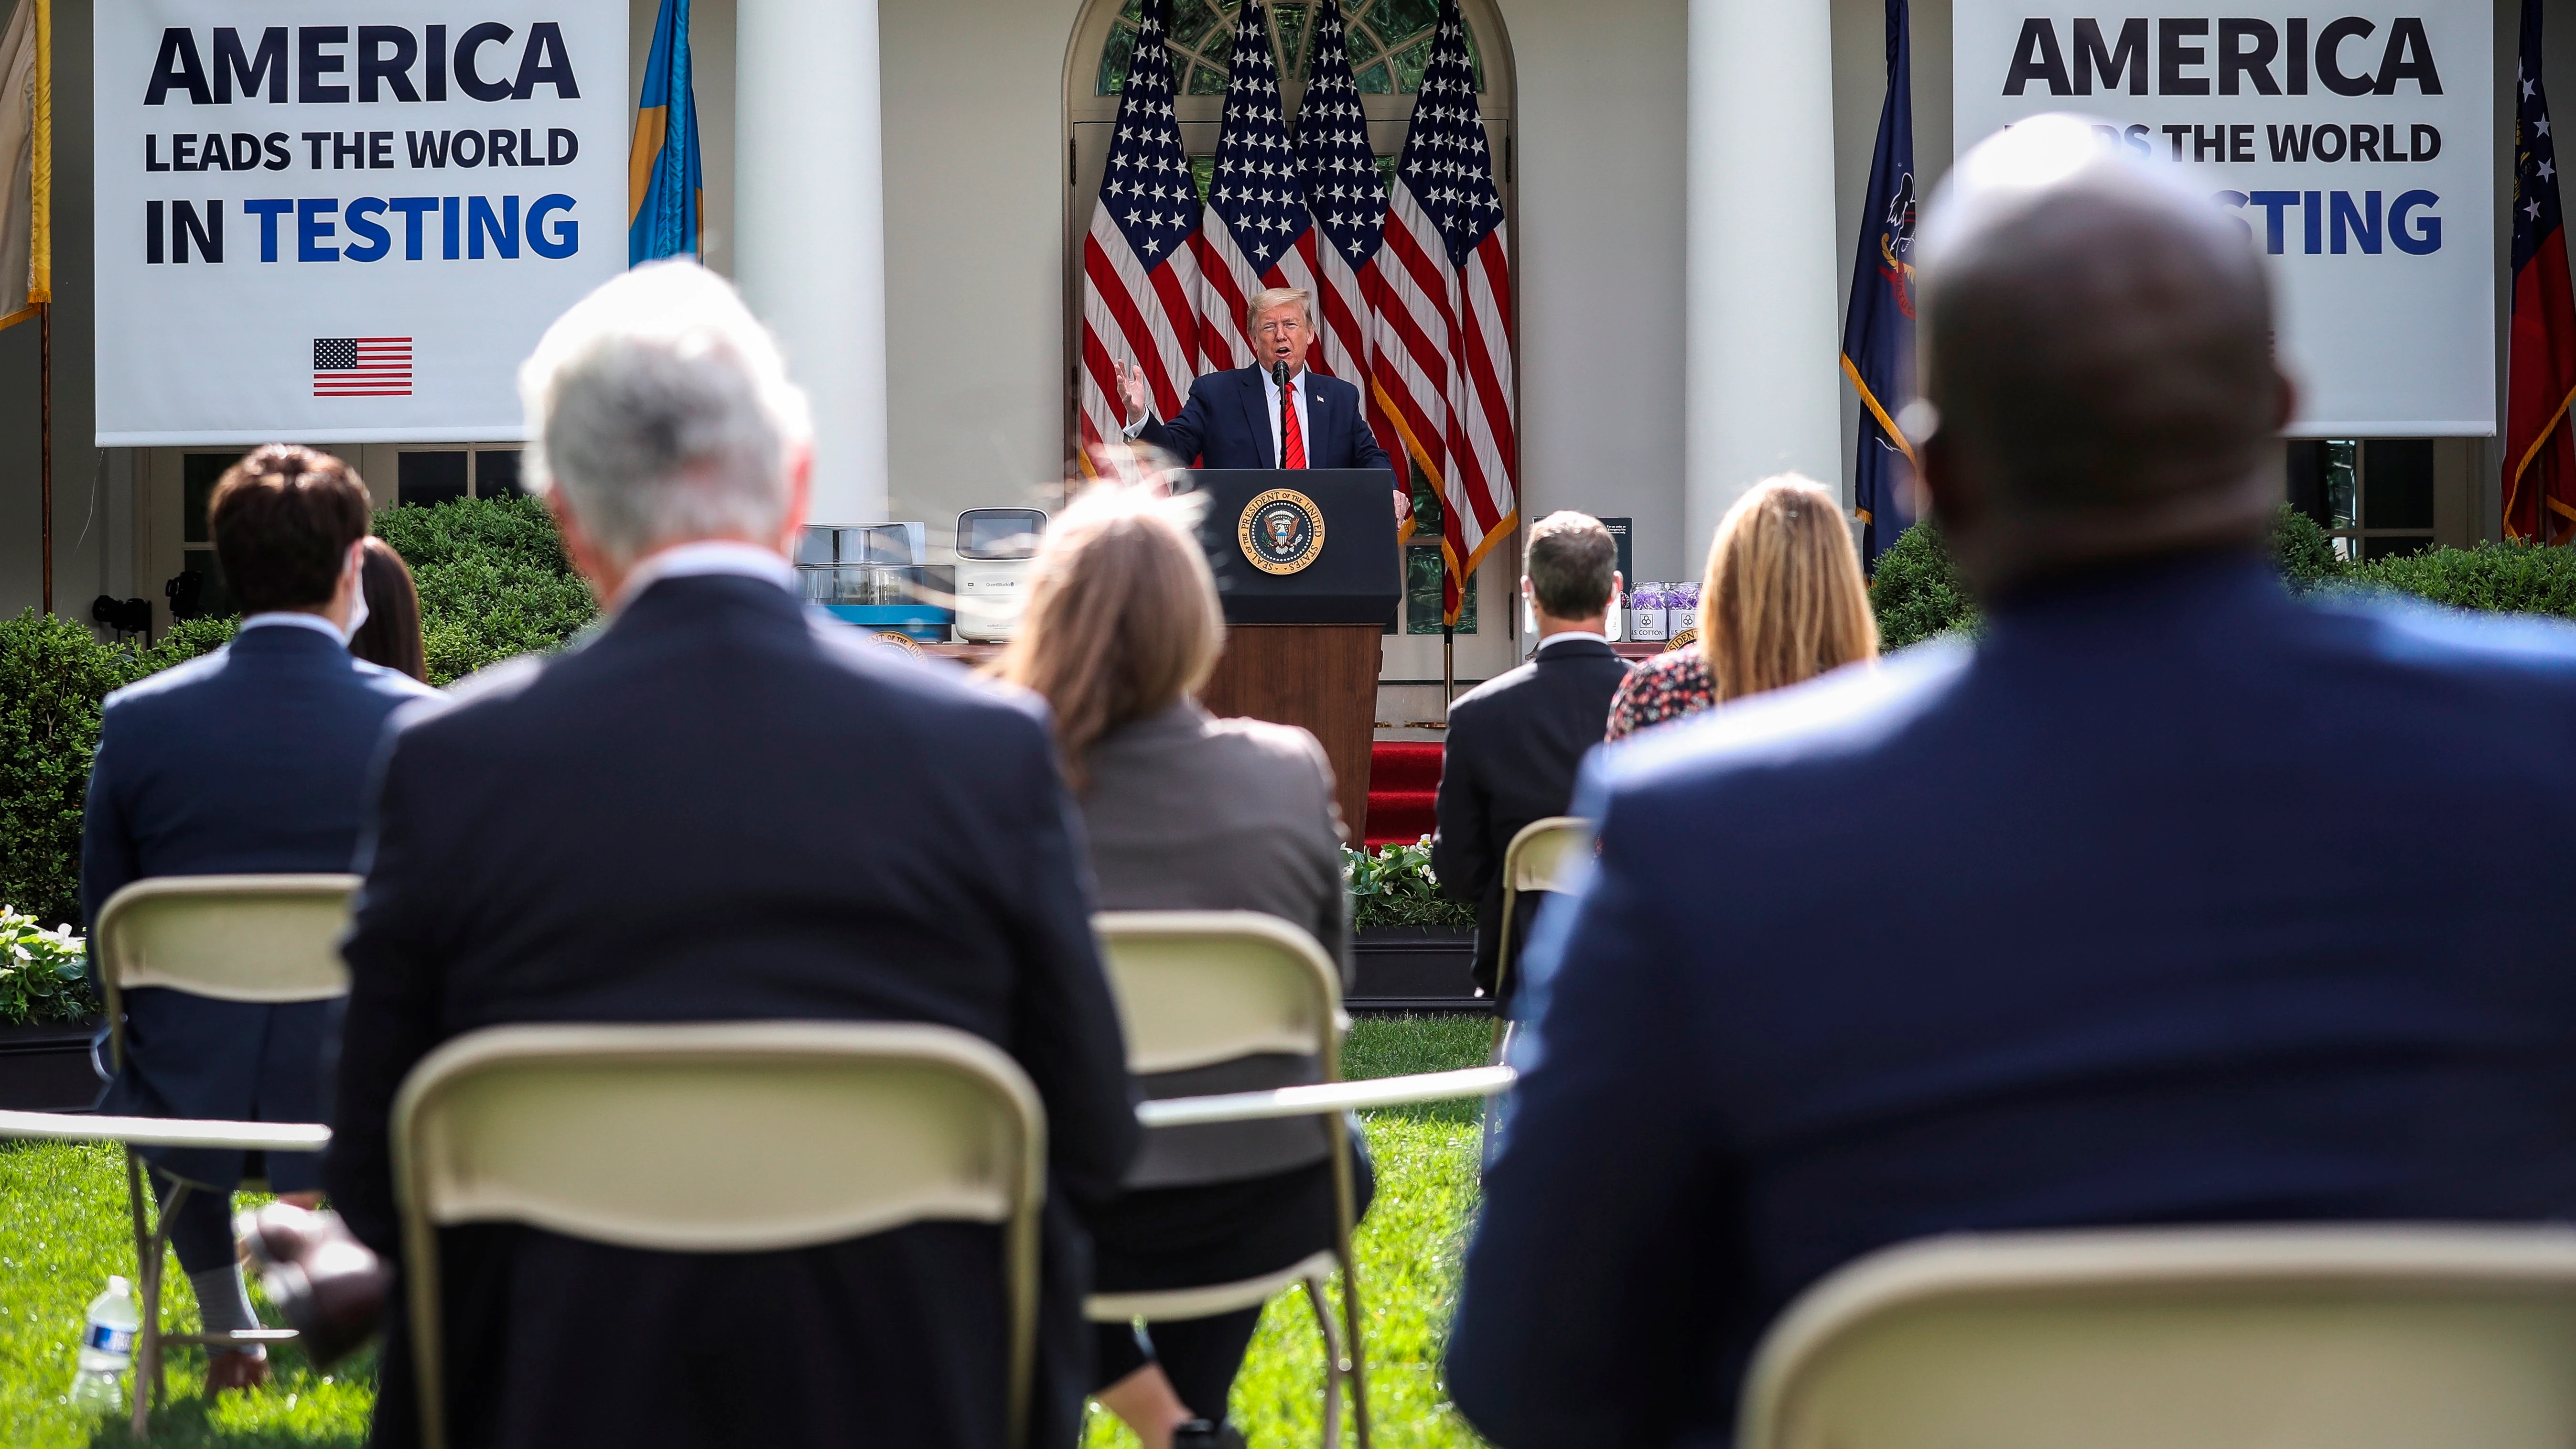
(1783, 602)
(1183, 812)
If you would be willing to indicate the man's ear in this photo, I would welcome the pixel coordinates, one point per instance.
(800, 495)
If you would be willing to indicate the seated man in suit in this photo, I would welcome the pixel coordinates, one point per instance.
(252, 759)
(721, 807)
(1515, 740)
(2097, 919)
(1234, 419)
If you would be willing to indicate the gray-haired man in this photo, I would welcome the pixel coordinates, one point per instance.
(720, 808)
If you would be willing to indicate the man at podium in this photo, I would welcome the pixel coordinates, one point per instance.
(1273, 414)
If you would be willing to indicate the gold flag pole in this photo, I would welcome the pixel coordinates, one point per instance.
(40, 277)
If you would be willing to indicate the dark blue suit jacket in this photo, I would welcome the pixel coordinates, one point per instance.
(251, 759)
(2171, 901)
(721, 808)
(1226, 424)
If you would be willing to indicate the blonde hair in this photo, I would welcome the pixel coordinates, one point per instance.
(1784, 600)
(1122, 617)
(1269, 297)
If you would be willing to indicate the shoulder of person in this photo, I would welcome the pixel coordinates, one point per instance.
(493, 688)
(377, 679)
(1484, 696)
(2410, 633)
(1325, 383)
(1842, 713)
(1258, 744)
(939, 687)
(178, 679)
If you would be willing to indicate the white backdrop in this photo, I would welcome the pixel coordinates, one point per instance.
(2386, 298)
(434, 184)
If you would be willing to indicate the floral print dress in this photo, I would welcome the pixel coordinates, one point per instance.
(1665, 688)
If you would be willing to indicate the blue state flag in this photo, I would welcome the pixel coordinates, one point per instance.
(663, 181)
(1878, 335)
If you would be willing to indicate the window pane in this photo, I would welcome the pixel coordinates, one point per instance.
(2372, 548)
(1202, 175)
(2343, 483)
(1409, 66)
(213, 599)
(1206, 80)
(1375, 81)
(1115, 57)
(1422, 593)
(198, 475)
(1290, 22)
(427, 479)
(496, 474)
(2397, 483)
(1192, 20)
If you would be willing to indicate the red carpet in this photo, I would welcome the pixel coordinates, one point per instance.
(1403, 781)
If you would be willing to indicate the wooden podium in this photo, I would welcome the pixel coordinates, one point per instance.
(1306, 564)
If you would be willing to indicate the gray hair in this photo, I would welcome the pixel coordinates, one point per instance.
(662, 409)
(1272, 297)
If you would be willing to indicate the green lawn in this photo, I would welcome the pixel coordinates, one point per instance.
(62, 1231)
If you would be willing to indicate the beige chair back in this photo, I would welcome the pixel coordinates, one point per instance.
(232, 937)
(1543, 854)
(725, 1137)
(2229, 1338)
(1195, 988)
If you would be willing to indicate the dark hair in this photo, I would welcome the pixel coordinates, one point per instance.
(1571, 559)
(282, 520)
(391, 635)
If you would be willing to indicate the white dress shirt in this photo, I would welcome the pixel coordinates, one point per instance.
(708, 556)
(293, 618)
(1270, 406)
(1568, 637)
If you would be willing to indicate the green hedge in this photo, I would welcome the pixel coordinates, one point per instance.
(493, 583)
(1918, 592)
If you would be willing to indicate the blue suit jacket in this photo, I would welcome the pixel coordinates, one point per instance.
(2172, 900)
(1226, 424)
(724, 808)
(251, 759)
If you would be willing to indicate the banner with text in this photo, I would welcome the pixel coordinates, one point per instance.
(2356, 146)
(315, 228)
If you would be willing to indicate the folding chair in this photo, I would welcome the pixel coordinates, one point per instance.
(2218, 1338)
(260, 938)
(1196, 988)
(1541, 857)
(786, 1134)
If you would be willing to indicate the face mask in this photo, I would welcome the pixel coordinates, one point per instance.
(357, 612)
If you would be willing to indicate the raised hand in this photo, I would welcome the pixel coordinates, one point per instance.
(1131, 392)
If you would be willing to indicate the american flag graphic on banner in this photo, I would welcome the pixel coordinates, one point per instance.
(1140, 275)
(1444, 342)
(1339, 171)
(362, 367)
(1255, 233)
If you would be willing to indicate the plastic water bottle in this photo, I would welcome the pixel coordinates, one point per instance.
(106, 1350)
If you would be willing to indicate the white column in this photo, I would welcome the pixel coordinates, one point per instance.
(1761, 384)
(809, 227)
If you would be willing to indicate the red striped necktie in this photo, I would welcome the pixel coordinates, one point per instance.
(1292, 439)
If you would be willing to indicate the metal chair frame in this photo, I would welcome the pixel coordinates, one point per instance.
(1345, 1354)
(2293, 1336)
(1536, 860)
(123, 944)
(440, 1178)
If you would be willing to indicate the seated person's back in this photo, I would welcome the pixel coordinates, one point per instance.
(1514, 741)
(250, 760)
(1184, 812)
(2107, 918)
(721, 807)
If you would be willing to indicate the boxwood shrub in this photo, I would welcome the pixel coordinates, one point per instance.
(493, 583)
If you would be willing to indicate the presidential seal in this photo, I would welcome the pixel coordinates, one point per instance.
(1683, 640)
(1282, 531)
(898, 640)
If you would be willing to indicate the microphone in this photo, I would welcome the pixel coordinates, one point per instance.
(1287, 408)
(1279, 374)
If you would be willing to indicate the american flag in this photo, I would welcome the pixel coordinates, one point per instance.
(1140, 274)
(1256, 232)
(362, 367)
(1339, 171)
(1444, 341)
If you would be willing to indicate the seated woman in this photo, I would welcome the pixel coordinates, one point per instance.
(388, 629)
(1784, 601)
(1184, 812)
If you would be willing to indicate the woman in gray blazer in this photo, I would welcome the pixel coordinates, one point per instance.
(1184, 812)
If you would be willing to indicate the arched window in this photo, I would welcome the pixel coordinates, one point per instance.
(1389, 41)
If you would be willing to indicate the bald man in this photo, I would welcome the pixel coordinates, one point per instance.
(2170, 900)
